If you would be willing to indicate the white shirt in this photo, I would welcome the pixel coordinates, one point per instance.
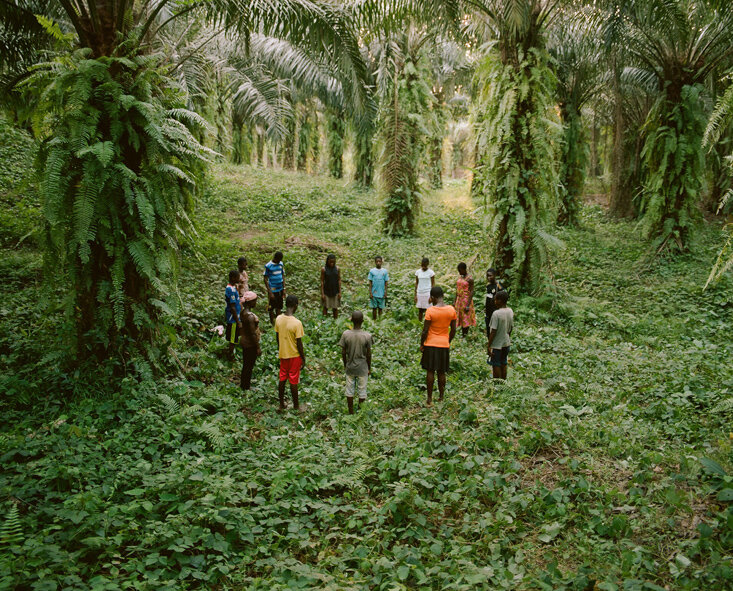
(423, 280)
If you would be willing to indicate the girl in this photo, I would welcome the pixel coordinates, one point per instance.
(438, 331)
(424, 281)
(331, 286)
(464, 300)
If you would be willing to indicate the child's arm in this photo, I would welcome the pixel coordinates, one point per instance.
(492, 334)
(233, 311)
(283, 281)
(323, 293)
(432, 281)
(370, 289)
(452, 331)
(369, 358)
(301, 350)
(424, 335)
(338, 274)
(470, 293)
(416, 282)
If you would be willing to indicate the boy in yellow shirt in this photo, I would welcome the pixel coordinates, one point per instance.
(289, 334)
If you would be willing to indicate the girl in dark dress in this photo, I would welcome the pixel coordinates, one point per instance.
(331, 286)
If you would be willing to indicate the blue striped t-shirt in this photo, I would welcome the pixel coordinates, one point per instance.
(275, 273)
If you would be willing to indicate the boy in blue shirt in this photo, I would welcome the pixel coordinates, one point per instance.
(233, 309)
(378, 281)
(275, 284)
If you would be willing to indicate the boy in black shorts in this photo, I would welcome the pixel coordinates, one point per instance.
(500, 329)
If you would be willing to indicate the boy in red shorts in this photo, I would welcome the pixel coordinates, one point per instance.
(289, 334)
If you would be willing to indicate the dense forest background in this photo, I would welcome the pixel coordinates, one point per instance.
(584, 148)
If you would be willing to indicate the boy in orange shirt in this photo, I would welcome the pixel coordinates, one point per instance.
(438, 331)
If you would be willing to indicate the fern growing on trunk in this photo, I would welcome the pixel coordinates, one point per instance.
(402, 128)
(574, 160)
(674, 163)
(335, 130)
(516, 169)
(118, 168)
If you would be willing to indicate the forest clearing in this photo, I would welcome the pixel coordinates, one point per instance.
(174, 172)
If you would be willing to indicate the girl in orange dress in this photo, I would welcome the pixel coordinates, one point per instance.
(464, 300)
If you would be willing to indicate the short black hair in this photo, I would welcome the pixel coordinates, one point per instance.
(330, 257)
(357, 317)
(462, 266)
(234, 276)
(436, 292)
(291, 301)
(491, 270)
(241, 260)
(378, 257)
(277, 256)
(502, 296)
(425, 261)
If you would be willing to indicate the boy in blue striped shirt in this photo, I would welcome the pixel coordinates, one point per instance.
(275, 283)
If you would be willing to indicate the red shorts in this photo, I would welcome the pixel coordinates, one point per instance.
(290, 369)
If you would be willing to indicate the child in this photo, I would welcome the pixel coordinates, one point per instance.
(378, 281)
(275, 284)
(502, 324)
(437, 333)
(242, 266)
(492, 287)
(249, 338)
(464, 300)
(233, 309)
(331, 286)
(356, 353)
(289, 334)
(424, 282)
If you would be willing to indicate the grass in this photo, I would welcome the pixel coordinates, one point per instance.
(603, 463)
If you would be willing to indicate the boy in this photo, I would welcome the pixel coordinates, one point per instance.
(233, 309)
(275, 283)
(289, 334)
(492, 287)
(424, 282)
(249, 339)
(378, 281)
(500, 329)
(356, 353)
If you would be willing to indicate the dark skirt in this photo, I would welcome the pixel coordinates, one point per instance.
(435, 358)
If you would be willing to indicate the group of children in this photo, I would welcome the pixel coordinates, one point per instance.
(440, 323)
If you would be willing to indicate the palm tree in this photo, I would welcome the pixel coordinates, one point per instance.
(674, 47)
(516, 168)
(720, 121)
(404, 120)
(119, 161)
(577, 54)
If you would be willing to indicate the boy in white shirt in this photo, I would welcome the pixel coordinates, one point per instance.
(424, 282)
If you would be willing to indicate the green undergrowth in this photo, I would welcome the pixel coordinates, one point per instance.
(604, 463)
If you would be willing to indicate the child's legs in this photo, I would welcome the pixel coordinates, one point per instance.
(294, 395)
(335, 313)
(503, 371)
(464, 330)
(430, 382)
(496, 372)
(420, 314)
(281, 393)
(361, 384)
(441, 385)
